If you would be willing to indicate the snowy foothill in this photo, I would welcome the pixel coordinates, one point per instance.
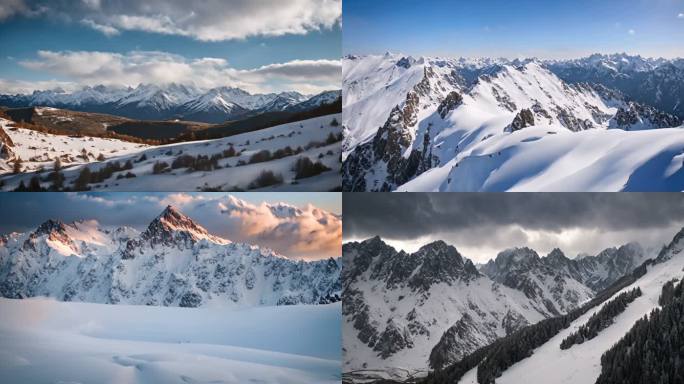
(317, 139)
(42, 340)
(39, 150)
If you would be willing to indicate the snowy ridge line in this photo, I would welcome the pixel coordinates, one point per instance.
(432, 124)
(172, 101)
(408, 312)
(174, 262)
(491, 352)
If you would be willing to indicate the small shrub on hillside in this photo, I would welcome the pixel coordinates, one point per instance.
(160, 167)
(304, 168)
(265, 179)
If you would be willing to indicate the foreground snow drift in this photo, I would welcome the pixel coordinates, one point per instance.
(548, 158)
(44, 341)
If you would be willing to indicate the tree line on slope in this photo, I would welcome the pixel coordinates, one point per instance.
(492, 360)
(652, 352)
(601, 319)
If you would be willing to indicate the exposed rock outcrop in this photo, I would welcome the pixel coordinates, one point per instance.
(453, 100)
(524, 119)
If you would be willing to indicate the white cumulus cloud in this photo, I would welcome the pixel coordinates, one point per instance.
(300, 232)
(79, 68)
(206, 20)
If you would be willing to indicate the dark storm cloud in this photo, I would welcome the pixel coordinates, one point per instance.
(407, 216)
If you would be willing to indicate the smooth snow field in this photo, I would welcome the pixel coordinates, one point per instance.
(46, 341)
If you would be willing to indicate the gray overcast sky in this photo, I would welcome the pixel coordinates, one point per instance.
(482, 224)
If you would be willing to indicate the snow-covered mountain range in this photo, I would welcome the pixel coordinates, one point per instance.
(173, 262)
(172, 101)
(405, 313)
(654, 81)
(435, 124)
(619, 350)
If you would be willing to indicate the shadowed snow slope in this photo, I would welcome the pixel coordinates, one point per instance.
(432, 124)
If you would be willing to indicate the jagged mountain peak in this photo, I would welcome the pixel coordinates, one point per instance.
(432, 264)
(557, 259)
(516, 257)
(49, 226)
(556, 253)
(171, 222)
(444, 253)
(437, 245)
(174, 262)
(374, 241)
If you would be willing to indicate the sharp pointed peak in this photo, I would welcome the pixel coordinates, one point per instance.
(172, 221)
(556, 252)
(170, 210)
(50, 225)
(439, 245)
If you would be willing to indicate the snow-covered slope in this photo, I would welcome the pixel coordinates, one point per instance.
(410, 123)
(582, 362)
(44, 341)
(174, 262)
(327, 97)
(215, 106)
(406, 313)
(316, 139)
(371, 87)
(37, 149)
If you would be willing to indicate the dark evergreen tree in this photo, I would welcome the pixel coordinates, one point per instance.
(652, 352)
(81, 182)
(492, 360)
(601, 319)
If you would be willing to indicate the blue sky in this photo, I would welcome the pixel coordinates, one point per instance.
(313, 234)
(248, 38)
(521, 28)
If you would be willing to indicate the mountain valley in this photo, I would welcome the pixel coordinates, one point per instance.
(408, 314)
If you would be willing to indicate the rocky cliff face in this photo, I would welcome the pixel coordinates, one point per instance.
(174, 262)
(522, 269)
(432, 307)
(524, 118)
(425, 308)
